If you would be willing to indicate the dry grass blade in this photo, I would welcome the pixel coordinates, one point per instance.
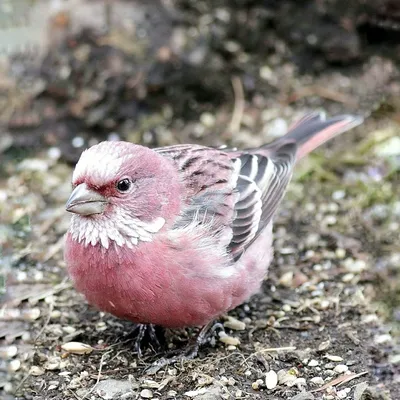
(340, 381)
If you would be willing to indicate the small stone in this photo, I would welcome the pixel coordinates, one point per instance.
(354, 266)
(286, 279)
(324, 305)
(347, 277)
(313, 363)
(69, 329)
(149, 383)
(52, 364)
(205, 380)
(339, 369)
(286, 378)
(171, 394)
(55, 314)
(300, 382)
(36, 371)
(7, 352)
(317, 380)
(340, 253)
(228, 340)
(342, 394)
(329, 220)
(286, 308)
(207, 119)
(267, 74)
(394, 359)
(369, 318)
(77, 348)
(338, 195)
(235, 324)
(271, 379)
(231, 347)
(257, 384)
(333, 358)
(112, 389)
(146, 394)
(381, 339)
(14, 366)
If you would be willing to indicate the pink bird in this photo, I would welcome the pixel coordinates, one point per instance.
(177, 236)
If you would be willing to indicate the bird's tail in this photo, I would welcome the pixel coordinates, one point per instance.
(314, 129)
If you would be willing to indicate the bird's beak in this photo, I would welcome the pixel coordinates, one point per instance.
(85, 201)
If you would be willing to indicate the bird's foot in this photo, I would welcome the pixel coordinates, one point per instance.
(145, 333)
(189, 353)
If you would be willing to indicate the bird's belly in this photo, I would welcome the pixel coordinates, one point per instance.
(146, 289)
(148, 286)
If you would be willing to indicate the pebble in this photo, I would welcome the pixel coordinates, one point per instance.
(381, 339)
(228, 340)
(55, 314)
(394, 359)
(207, 119)
(113, 389)
(286, 308)
(257, 384)
(324, 304)
(313, 363)
(339, 369)
(317, 380)
(340, 253)
(286, 279)
(7, 352)
(338, 195)
(355, 266)
(329, 220)
(235, 324)
(342, 394)
(146, 394)
(286, 378)
(347, 277)
(300, 382)
(369, 318)
(271, 379)
(14, 366)
(52, 364)
(36, 371)
(333, 358)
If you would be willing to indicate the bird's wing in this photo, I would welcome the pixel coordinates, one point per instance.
(237, 192)
(261, 184)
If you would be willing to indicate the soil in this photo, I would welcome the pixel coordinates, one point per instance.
(326, 324)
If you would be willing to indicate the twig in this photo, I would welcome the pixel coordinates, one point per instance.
(323, 92)
(340, 381)
(269, 350)
(51, 307)
(238, 109)
(98, 375)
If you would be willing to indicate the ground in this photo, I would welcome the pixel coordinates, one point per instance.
(325, 325)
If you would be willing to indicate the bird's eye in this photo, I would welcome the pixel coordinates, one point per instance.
(124, 185)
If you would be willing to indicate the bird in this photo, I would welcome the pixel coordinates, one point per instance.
(179, 235)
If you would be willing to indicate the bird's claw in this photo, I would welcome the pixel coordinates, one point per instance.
(140, 331)
(190, 353)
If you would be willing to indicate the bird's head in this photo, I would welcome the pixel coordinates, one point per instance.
(122, 192)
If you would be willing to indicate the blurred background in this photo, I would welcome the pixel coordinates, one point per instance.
(237, 72)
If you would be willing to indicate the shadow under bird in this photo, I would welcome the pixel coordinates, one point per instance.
(177, 236)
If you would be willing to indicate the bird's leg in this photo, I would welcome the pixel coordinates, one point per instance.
(191, 352)
(140, 331)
